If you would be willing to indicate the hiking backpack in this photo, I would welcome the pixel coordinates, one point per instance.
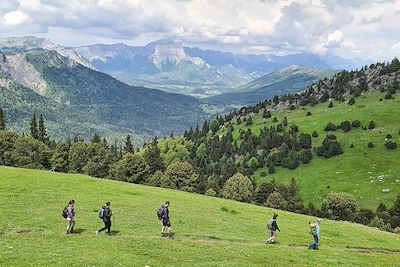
(269, 224)
(160, 213)
(101, 213)
(64, 213)
(313, 229)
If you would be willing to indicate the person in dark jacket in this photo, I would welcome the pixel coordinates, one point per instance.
(165, 220)
(107, 213)
(274, 228)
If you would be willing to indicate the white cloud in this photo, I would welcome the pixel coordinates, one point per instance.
(15, 18)
(358, 28)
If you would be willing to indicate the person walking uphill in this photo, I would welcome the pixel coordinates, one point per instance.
(69, 215)
(166, 223)
(105, 214)
(314, 231)
(272, 227)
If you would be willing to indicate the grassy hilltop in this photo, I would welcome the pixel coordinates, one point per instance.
(208, 231)
(358, 169)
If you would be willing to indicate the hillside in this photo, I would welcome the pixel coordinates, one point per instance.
(97, 101)
(207, 231)
(288, 80)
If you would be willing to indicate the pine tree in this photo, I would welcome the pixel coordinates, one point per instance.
(2, 120)
(96, 138)
(42, 133)
(128, 148)
(34, 127)
(153, 158)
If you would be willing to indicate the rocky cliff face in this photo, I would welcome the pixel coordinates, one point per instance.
(24, 44)
(22, 72)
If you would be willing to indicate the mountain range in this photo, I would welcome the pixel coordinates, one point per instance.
(73, 88)
(78, 100)
(168, 65)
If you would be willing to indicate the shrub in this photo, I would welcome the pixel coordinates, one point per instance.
(263, 173)
(388, 96)
(371, 125)
(238, 187)
(355, 124)
(370, 145)
(332, 137)
(308, 113)
(380, 224)
(340, 206)
(352, 101)
(330, 127)
(276, 201)
(346, 126)
(271, 169)
(275, 119)
(390, 144)
(364, 216)
(330, 104)
(389, 136)
(211, 192)
(315, 134)
(292, 107)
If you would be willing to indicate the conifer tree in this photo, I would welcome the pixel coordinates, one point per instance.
(34, 127)
(2, 120)
(42, 133)
(153, 158)
(128, 148)
(96, 138)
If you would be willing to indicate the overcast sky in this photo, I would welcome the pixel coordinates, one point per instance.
(352, 29)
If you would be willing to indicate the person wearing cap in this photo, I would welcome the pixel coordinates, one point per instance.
(316, 236)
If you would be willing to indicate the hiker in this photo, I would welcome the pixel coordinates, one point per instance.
(70, 213)
(272, 227)
(105, 214)
(165, 220)
(314, 231)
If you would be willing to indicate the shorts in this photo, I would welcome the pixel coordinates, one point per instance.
(166, 223)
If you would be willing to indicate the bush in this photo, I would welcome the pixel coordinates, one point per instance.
(330, 104)
(263, 173)
(276, 201)
(340, 206)
(330, 127)
(331, 137)
(389, 136)
(308, 113)
(352, 101)
(238, 187)
(355, 124)
(380, 224)
(292, 107)
(364, 216)
(370, 145)
(315, 134)
(211, 192)
(371, 125)
(275, 119)
(390, 144)
(346, 126)
(388, 96)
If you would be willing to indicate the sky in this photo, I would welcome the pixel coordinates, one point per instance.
(365, 29)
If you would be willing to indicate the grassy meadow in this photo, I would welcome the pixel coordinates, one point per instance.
(358, 169)
(207, 231)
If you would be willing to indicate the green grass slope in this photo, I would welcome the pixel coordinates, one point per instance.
(208, 231)
(357, 170)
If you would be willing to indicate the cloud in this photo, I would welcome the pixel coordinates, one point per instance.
(15, 18)
(338, 27)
